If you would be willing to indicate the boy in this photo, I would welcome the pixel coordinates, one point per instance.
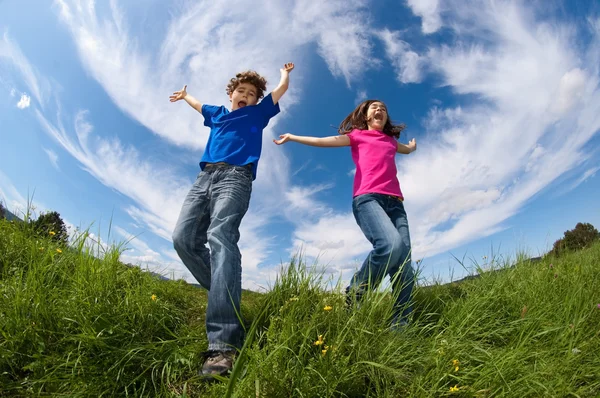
(214, 207)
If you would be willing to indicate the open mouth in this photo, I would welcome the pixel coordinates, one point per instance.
(242, 104)
(378, 116)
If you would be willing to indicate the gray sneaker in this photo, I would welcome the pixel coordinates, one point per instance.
(217, 363)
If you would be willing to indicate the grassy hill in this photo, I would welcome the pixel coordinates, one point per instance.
(75, 325)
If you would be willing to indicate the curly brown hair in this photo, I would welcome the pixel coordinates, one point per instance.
(357, 119)
(250, 77)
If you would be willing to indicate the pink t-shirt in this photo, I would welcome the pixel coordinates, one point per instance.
(374, 154)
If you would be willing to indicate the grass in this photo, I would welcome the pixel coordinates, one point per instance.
(73, 324)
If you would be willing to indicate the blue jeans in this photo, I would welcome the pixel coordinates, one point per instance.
(212, 213)
(382, 219)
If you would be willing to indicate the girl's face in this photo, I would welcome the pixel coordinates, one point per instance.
(377, 116)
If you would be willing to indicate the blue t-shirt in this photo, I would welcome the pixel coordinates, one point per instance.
(236, 137)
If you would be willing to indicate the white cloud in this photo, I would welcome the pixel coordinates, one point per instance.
(361, 95)
(11, 199)
(10, 196)
(301, 202)
(343, 43)
(53, 157)
(335, 239)
(570, 91)
(407, 63)
(429, 11)
(13, 92)
(24, 102)
(580, 180)
(139, 253)
(537, 106)
(10, 51)
(157, 192)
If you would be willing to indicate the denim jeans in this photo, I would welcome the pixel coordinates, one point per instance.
(212, 213)
(382, 219)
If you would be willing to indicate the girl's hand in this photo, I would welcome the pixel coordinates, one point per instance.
(283, 138)
(412, 144)
(178, 95)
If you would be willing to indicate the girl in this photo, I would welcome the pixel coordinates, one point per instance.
(377, 200)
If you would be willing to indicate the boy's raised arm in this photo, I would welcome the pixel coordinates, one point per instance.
(283, 83)
(183, 95)
(406, 149)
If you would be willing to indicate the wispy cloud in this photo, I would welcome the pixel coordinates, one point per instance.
(138, 252)
(409, 65)
(11, 52)
(361, 95)
(334, 239)
(10, 196)
(302, 203)
(14, 201)
(487, 158)
(156, 190)
(582, 178)
(53, 157)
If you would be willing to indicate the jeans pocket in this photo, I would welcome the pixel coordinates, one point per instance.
(242, 172)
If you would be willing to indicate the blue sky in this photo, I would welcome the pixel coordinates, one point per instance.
(503, 98)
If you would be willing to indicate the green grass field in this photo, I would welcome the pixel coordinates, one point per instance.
(76, 325)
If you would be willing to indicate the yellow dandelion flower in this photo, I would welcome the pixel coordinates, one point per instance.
(327, 308)
(52, 233)
(58, 251)
(41, 249)
(454, 389)
(153, 297)
(319, 341)
(455, 363)
(323, 352)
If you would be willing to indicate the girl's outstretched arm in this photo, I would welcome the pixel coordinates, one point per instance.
(333, 141)
(406, 149)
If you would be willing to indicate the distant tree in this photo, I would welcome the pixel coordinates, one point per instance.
(2, 212)
(51, 225)
(584, 235)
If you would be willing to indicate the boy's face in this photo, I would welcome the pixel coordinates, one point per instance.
(243, 95)
(376, 116)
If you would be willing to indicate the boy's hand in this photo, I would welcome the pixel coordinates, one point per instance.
(287, 68)
(412, 144)
(283, 83)
(283, 138)
(178, 95)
